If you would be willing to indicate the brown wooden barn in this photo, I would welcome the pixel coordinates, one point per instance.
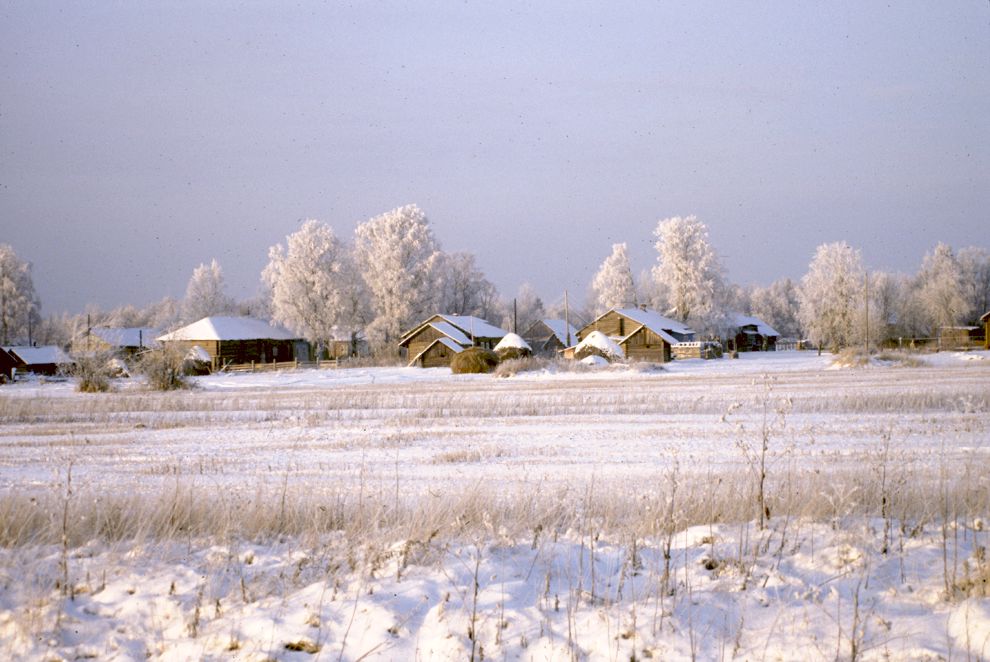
(643, 334)
(548, 337)
(238, 340)
(44, 360)
(433, 342)
(751, 334)
(7, 365)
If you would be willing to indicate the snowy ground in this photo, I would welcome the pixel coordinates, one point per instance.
(554, 494)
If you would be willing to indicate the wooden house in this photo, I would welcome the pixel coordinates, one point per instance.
(643, 334)
(125, 342)
(45, 360)
(7, 365)
(548, 337)
(237, 340)
(986, 329)
(434, 342)
(751, 334)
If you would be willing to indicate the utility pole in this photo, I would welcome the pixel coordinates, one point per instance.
(866, 289)
(515, 317)
(567, 320)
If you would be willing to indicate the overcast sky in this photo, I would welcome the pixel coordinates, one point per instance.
(140, 139)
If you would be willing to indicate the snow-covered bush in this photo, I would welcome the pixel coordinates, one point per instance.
(93, 371)
(163, 369)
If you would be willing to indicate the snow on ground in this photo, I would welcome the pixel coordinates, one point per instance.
(801, 591)
(603, 444)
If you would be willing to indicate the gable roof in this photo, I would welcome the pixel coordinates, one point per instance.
(457, 327)
(127, 336)
(985, 316)
(446, 342)
(667, 338)
(559, 329)
(229, 328)
(475, 326)
(739, 321)
(452, 332)
(654, 321)
(44, 355)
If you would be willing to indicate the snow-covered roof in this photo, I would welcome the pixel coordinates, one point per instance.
(127, 336)
(667, 338)
(451, 332)
(739, 320)
(559, 329)
(475, 326)
(40, 355)
(654, 321)
(600, 341)
(446, 342)
(229, 328)
(512, 341)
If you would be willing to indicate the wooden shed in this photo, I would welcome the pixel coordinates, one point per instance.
(433, 342)
(237, 340)
(7, 365)
(548, 337)
(44, 360)
(751, 334)
(986, 329)
(643, 334)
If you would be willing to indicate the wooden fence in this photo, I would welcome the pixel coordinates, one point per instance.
(257, 366)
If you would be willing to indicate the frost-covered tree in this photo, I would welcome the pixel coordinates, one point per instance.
(689, 274)
(164, 314)
(205, 293)
(831, 294)
(19, 304)
(401, 263)
(974, 267)
(940, 289)
(314, 286)
(465, 290)
(613, 286)
(529, 309)
(777, 305)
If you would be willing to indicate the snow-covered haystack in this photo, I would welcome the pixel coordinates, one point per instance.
(595, 361)
(598, 344)
(512, 346)
(197, 361)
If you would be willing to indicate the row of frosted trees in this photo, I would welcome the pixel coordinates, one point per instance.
(393, 273)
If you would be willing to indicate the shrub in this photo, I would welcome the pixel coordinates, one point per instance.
(510, 367)
(474, 360)
(93, 372)
(163, 368)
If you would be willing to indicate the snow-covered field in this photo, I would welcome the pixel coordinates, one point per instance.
(411, 514)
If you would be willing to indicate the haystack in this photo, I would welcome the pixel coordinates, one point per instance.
(512, 346)
(473, 360)
(598, 344)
